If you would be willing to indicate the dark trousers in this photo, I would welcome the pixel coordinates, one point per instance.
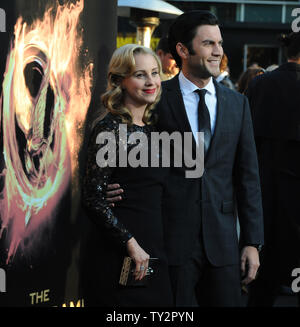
(198, 283)
(280, 253)
(264, 291)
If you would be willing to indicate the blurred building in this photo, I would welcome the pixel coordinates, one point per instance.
(250, 29)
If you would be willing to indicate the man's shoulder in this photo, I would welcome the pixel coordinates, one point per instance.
(171, 84)
(266, 78)
(264, 83)
(225, 91)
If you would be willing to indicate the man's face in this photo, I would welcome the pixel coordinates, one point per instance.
(207, 55)
(168, 63)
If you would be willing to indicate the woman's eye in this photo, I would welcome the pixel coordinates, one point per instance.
(155, 73)
(139, 75)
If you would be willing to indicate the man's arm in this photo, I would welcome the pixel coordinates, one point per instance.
(113, 194)
(248, 195)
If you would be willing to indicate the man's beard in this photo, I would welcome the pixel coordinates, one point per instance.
(201, 71)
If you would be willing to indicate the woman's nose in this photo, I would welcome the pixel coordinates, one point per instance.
(150, 79)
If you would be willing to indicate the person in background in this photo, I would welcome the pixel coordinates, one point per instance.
(169, 66)
(246, 77)
(271, 68)
(134, 228)
(254, 65)
(274, 100)
(224, 77)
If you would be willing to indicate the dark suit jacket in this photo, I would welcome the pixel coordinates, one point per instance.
(274, 101)
(275, 105)
(230, 180)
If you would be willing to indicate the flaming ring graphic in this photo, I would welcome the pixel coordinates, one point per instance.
(46, 94)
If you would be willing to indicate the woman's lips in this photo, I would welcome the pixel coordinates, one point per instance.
(151, 91)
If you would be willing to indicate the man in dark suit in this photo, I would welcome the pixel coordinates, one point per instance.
(275, 105)
(200, 220)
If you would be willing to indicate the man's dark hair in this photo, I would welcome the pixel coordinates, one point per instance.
(183, 30)
(291, 43)
(163, 45)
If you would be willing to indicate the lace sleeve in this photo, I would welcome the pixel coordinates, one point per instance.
(95, 184)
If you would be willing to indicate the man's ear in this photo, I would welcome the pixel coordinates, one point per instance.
(182, 50)
(160, 53)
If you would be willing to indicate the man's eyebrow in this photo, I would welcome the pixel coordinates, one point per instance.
(211, 41)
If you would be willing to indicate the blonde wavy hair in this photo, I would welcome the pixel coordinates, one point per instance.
(122, 65)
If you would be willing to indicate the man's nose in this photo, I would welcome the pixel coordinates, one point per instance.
(218, 50)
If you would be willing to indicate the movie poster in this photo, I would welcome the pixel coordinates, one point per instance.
(52, 55)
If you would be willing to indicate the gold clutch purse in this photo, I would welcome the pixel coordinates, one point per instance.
(127, 277)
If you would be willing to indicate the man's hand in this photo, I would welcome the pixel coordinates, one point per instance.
(249, 259)
(113, 194)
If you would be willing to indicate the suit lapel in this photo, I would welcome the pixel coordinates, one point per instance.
(175, 101)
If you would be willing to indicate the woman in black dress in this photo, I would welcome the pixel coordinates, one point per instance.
(134, 227)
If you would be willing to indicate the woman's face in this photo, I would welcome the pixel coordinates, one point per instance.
(142, 87)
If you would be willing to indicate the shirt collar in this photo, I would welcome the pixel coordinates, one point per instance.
(188, 87)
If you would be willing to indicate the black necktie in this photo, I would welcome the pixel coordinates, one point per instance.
(204, 119)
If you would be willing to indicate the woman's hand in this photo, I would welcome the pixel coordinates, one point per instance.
(140, 257)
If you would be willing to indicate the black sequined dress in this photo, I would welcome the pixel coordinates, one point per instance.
(138, 215)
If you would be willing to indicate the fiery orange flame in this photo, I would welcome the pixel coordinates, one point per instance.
(48, 117)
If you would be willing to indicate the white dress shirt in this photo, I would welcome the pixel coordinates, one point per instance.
(191, 100)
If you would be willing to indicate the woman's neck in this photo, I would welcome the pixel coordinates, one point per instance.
(137, 114)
